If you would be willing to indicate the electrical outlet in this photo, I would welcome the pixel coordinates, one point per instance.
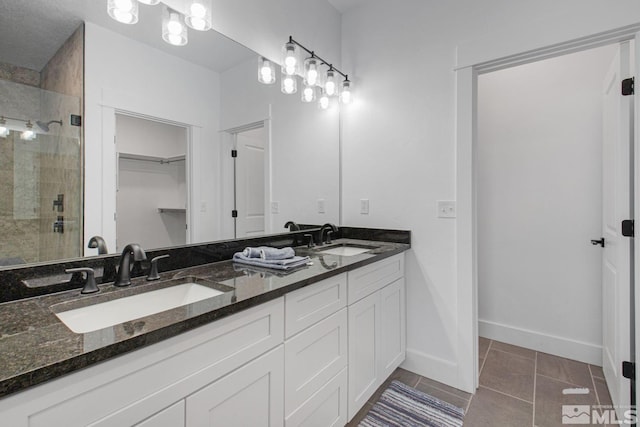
(446, 208)
(364, 206)
(275, 207)
(321, 206)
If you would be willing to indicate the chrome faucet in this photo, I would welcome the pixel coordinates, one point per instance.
(331, 229)
(123, 277)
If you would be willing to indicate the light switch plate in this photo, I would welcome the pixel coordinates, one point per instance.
(364, 206)
(321, 206)
(275, 207)
(446, 208)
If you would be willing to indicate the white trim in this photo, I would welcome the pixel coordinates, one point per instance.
(539, 341)
(466, 253)
(426, 365)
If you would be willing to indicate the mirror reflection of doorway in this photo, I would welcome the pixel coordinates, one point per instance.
(151, 197)
(249, 181)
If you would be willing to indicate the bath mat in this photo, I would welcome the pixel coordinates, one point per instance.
(401, 405)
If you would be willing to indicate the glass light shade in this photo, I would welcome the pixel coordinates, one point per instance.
(4, 130)
(308, 93)
(290, 59)
(29, 134)
(330, 83)
(198, 14)
(323, 102)
(125, 11)
(288, 84)
(311, 71)
(149, 2)
(266, 71)
(173, 29)
(345, 94)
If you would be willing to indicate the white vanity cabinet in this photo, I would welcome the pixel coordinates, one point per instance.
(316, 354)
(310, 358)
(377, 327)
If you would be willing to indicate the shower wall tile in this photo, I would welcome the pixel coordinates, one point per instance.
(21, 75)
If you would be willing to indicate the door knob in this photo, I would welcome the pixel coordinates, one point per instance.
(598, 242)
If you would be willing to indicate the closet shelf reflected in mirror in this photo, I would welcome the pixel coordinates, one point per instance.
(155, 159)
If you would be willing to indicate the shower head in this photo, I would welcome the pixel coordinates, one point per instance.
(45, 126)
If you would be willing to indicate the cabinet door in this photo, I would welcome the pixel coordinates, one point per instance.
(392, 327)
(364, 345)
(326, 408)
(173, 416)
(253, 395)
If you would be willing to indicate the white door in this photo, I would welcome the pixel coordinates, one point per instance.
(250, 182)
(617, 196)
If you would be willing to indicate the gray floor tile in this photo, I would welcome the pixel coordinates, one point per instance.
(520, 351)
(603, 391)
(596, 371)
(483, 346)
(550, 400)
(566, 370)
(490, 408)
(406, 377)
(509, 374)
(427, 387)
(360, 415)
(445, 388)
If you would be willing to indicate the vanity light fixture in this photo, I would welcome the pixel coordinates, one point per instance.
(313, 79)
(266, 71)
(289, 84)
(4, 130)
(198, 14)
(174, 31)
(29, 134)
(125, 11)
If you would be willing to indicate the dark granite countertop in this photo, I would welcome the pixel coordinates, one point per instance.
(35, 346)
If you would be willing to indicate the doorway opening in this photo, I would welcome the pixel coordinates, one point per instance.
(548, 182)
(151, 183)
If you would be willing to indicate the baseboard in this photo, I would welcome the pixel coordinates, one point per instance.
(552, 344)
(431, 367)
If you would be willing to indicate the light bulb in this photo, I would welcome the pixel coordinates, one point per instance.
(345, 94)
(330, 83)
(324, 101)
(266, 71)
(4, 130)
(289, 84)
(289, 58)
(124, 11)
(198, 14)
(29, 134)
(173, 29)
(308, 94)
(311, 71)
(149, 2)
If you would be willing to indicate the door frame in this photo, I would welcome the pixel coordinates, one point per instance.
(466, 141)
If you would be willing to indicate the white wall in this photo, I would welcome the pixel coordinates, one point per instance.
(399, 138)
(539, 160)
(127, 75)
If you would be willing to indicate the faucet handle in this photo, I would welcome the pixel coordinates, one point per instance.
(153, 271)
(310, 244)
(328, 241)
(90, 286)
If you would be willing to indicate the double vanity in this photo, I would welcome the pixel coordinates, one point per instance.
(213, 344)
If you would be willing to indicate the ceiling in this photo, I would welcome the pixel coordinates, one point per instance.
(31, 31)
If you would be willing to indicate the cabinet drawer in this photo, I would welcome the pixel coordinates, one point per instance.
(366, 280)
(313, 357)
(309, 305)
(326, 408)
(173, 416)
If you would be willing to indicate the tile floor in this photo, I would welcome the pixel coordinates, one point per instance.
(518, 388)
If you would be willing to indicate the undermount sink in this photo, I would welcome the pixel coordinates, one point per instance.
(103, 315)
(346, 249)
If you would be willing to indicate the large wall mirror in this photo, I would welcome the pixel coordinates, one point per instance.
(140, 149)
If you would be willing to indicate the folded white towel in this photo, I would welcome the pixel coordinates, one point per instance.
(275, 253)
(250, 252)
(278, 264)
